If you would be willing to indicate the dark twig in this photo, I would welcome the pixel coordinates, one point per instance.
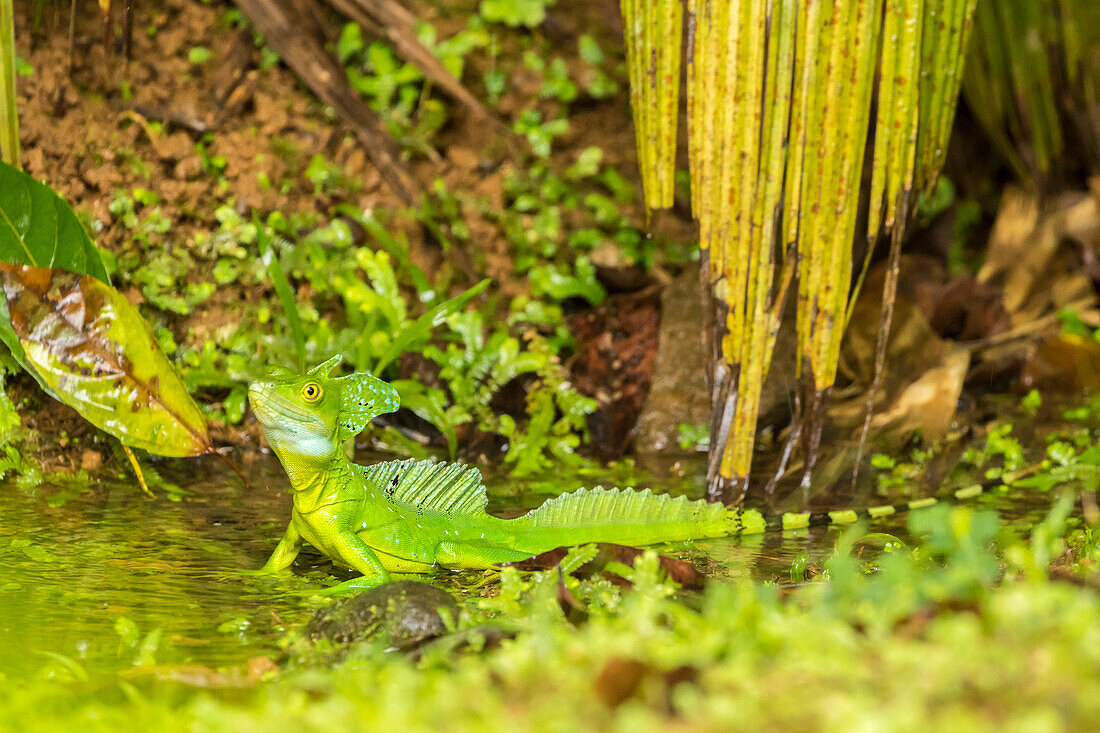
(291, 28)
(886, 319)
(127, 29)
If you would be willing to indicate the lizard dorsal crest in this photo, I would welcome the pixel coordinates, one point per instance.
(448, 488)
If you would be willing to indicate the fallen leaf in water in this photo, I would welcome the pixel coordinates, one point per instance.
(95, 353)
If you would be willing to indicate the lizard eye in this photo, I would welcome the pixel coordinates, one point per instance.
(311, 392)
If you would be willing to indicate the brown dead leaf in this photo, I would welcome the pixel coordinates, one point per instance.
(619, 679)
(90, 460)
(680, 571)
(1063, 363)
(1026, 256)
(965, 309)
(928, 404)
(923, 375)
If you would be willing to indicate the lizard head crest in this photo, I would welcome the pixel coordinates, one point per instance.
(312, 414)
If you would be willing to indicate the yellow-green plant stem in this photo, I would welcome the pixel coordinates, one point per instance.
(9, 121)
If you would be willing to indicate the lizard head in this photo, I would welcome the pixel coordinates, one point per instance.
(310, 415)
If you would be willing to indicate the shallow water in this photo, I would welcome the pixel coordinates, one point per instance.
(77, 565)
(109, 579)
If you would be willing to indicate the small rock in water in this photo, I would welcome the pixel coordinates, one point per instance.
(403, 614)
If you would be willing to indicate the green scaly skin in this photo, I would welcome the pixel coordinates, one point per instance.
(411, 516)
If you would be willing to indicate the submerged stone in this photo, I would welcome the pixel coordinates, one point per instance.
(402, 614)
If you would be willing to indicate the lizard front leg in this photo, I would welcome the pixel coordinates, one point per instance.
(359, 555)
(289, 547)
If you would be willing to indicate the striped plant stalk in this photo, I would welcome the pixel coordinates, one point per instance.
(920, 71)
(948, 26)
(896, 121)
(920, 74)
(838, 80)
(652, 29)
(740, 77)
(779, 112)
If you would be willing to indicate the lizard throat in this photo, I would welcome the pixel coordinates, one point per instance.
(307, 461)
(326, 488)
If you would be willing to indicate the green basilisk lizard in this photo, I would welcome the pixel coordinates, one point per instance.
(410, 516)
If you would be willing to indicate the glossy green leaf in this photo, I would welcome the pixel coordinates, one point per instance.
(97, 354)
(38, 228)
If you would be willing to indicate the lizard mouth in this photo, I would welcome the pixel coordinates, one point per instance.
(269, 407)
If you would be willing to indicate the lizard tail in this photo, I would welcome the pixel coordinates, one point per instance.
(625, 516)
(641, 517)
